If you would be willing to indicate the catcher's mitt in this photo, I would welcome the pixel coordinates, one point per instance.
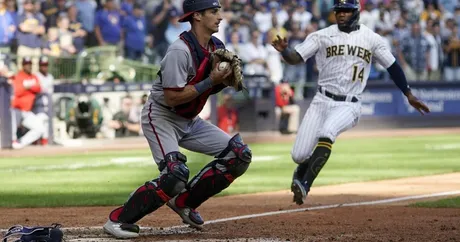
(236, 79)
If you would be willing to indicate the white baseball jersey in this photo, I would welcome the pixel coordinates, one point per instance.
(46, 82)
(344, 62)
(344, 59)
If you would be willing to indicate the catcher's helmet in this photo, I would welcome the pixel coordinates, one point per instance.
(348, 5)
(191, 6)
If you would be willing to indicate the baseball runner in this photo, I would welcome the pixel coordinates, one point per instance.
(188, 76)
(343, 53)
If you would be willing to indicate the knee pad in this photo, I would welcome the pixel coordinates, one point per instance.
(234, 166)
(237, 166)
(218, 174)
(239, 148)
(177, 174)
(154, 194)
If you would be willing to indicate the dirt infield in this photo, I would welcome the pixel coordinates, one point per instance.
(343, 221)
(336, 212)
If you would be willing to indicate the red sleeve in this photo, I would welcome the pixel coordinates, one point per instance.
(278, 98)
(18, 87)
(220, 114)
(36, 88)
(236, 116)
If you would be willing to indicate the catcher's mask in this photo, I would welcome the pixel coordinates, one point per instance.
(192, 6)
(348, 5)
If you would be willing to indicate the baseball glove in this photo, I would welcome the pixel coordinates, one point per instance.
(51, 233)
(236, 79)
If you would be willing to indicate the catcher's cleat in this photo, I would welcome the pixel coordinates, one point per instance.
(300, 191)
(189, 216)
(121, 230)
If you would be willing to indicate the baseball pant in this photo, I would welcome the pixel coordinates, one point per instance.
(324, 118)
(35, 124)
(293, 110)
(166, 132)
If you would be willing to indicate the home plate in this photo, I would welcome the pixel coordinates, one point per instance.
(207, 240)
(95, 240)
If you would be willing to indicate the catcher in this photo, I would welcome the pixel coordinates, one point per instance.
(190, 72)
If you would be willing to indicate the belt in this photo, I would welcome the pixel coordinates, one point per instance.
(164, 106)
(336, 97)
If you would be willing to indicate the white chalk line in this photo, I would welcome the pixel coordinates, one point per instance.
(390, 200)
(185, 229)
(121, 161)
(451, 146)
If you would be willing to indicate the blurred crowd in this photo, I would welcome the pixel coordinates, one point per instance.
(422, 34)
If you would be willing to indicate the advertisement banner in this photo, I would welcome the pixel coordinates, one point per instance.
(391, 102)
(377, 101)
(441, 101)
(78, 88)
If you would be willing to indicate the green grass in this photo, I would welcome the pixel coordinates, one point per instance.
(443, 203)
(106, 179)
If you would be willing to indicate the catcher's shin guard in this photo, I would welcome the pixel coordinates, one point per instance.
(217, 175)
(154, 194)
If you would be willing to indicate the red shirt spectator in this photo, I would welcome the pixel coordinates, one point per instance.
(26, 86)
(283, 93)
(227, 116)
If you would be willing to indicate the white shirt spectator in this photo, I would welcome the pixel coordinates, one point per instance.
(46, 82)
(414, 7)
(253, 52)
(395, 13)
(263, 21)
(282, 17)
(274, 64)
(235, 45)
(434, 54)
(368, 18)
(303, 17)
(384, 22)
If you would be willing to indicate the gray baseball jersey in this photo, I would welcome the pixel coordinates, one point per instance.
(165, 130)
(344, 62)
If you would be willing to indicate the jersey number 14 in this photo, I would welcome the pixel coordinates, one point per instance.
(357, 76)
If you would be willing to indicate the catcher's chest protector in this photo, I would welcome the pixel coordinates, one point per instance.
(203, 69)
(35, 234)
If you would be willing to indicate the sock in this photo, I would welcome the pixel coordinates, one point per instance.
(318, 159)
(301, 169)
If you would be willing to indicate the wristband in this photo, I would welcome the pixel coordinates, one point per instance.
(286, 51)
(203, 86)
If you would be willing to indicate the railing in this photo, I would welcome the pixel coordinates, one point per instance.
(96, 64)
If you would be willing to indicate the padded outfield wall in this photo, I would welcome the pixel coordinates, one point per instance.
(384, 105)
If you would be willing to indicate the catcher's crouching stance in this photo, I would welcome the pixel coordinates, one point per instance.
(188, 76)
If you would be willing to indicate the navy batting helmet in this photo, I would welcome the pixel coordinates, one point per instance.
(352, 5)
(192, 6)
